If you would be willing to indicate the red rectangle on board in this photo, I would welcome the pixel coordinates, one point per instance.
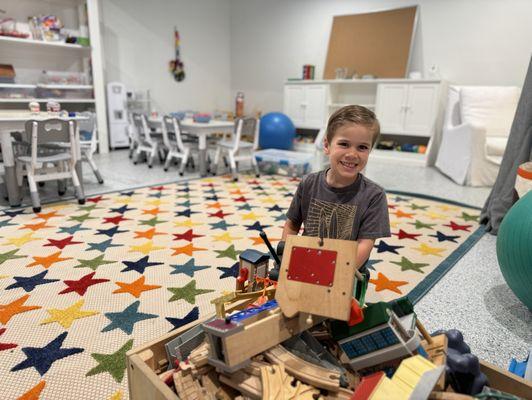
(313, 266)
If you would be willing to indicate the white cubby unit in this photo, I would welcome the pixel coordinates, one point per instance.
(408, 110)
(69, 73)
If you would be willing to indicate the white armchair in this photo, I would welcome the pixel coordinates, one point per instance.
(476, 126)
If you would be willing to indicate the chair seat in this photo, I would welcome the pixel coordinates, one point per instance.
(495, 146)
(43, 159)
(231, 143)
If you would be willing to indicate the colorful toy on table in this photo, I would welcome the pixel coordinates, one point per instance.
(201, 118)
(176, 65)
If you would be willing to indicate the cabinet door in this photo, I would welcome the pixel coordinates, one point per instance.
(421, 109)
(316, 106)
(294, 99)
(390, 107)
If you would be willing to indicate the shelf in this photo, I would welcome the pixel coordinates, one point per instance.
(17, 86)
(360, 81)
(43, 86)
(16, 41)
(46, 100)
(399, 156)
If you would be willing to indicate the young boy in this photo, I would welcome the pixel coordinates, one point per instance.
(340, 202)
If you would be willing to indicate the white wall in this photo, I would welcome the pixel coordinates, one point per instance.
(473, 42)
(138, 45)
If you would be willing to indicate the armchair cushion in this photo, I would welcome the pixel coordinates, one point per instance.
(492, 107)
(495, 146)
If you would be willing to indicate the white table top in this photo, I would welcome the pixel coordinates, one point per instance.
(189, 122)
(22, 116)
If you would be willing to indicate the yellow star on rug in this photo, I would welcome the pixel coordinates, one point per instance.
(251, 216)
(116, 395)
(445, 208)
(225, 237)
(209, 180)
(393, 224)
(21, 240)
(189, 249)
(188, 223)
(156, 202)
(145, 248)
(425, 250)
(126, 201)
(270, 200)
(433, 215)
(65, 317)
(4, 276)
(135, 288)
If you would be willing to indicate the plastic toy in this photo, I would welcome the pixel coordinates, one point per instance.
(176, 65)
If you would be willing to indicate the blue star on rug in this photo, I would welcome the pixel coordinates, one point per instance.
(30, 282)
(72, 229)
(139, 265)
(212, 198)
(6, 222)
(186, 204)
(188, 268)
(13, 213)
(185, 213)
(257, 227)
(193, 315)
(42, 358)
(102, 246)
(129, 194)
(370, 263)
(246, 207)
(109, 232)
(221, 225)
(397, 199)
(122, 209)
(383, 247)
(229, 272)
(443, 237)
(280, 217)
(126, 320)
(275, 208)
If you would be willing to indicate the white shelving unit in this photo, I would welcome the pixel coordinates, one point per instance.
(409, 110)
(29, 57)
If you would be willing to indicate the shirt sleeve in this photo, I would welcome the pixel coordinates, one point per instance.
(376, 220)
(294, 212)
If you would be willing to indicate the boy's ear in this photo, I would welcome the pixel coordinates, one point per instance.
(325, 145)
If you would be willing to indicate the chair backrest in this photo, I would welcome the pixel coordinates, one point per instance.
(492, 107)
(248, 127)
(48, 131)
(172, 132)
(88, 130)
(141, 126)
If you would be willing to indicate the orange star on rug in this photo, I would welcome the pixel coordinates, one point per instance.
(48, 261)
(135, 288)
(37, 226)
(153, 211)
(258, 241)
(401, 214)
(383, 283)
(188, 250)
(47, 216)
(238, 191)
(34, 393)
(149, 234)
(15, 307)
(216, 205)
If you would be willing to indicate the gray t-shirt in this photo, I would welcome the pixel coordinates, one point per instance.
(357, 211)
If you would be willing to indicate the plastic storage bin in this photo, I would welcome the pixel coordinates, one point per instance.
(284, 162)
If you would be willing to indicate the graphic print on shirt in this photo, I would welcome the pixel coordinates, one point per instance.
(330, 220)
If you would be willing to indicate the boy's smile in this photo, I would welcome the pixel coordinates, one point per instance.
(348, 153)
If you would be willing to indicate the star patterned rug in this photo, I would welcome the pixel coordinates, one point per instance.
(82, 285)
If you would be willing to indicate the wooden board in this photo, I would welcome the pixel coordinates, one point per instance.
(376, 43)
(501, 379)
(333, 301)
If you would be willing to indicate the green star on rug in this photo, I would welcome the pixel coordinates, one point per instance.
(187, 292)
(114, 363)
(468, 217)
(9, 255)
(230, 252)
(152, 222)
(81, 218)
(407, 265)
(93, 263)
(414, 206)
(421, 225)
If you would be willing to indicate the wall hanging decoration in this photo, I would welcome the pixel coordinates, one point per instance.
(176, 65)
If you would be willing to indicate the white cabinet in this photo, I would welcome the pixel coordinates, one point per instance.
(306, 105)
(407, 109)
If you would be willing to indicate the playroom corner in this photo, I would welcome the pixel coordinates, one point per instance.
(244, 199)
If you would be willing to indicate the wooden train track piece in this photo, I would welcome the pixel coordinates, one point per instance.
(311, 374)
(188, 388)
(437, 351)
(278, 385)
(249, 385)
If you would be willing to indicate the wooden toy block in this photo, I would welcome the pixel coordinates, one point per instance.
(437, 352)
(317, 278)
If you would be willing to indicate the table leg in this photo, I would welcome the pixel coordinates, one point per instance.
(10, 177)
(202, 147)
(79, 172)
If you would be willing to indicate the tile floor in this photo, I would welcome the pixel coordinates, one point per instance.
(473, 297)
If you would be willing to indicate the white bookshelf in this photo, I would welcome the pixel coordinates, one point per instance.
(79, 101)
(57, 45)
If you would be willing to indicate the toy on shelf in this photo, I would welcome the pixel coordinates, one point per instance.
(8, 27)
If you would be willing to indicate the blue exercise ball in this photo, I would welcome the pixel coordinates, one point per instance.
(276, 131)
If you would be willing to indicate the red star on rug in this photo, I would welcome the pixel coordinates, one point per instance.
(455, 227)
(294, 179)
(277, 183)
(404, 235)
(6, 346)
(37, 226)
(80, 286)
(241, 199)
(401, 214)
(96, 199)
(219, 214)
(62, 243)
(189, 249)
(149, 234)
(392, 206)
(47, 216)
(253, 182)
(115, 220)
(383, 283)
(210, 184)
(188, 235)
(7, 311)
(153, 211)
(159, 188)
(48, 261)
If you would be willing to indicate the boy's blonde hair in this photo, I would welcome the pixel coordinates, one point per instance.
(353, 114)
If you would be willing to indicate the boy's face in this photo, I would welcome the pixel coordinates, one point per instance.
(348, 152)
